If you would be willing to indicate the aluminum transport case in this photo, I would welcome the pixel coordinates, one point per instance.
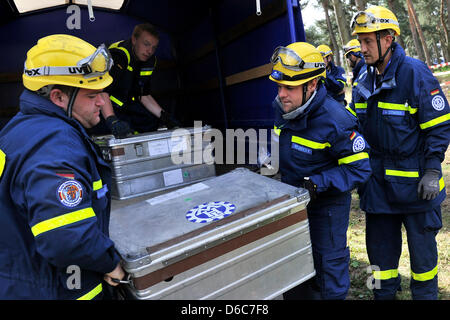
(240, 235)
(143, 164)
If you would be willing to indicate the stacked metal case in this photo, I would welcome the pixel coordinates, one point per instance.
(157, 161)
(236, 236)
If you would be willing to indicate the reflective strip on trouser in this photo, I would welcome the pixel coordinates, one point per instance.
(385, 274)
(309, 143)
(435, 121)
(425, 276)
(353, 158)
(116, 101)
(384, 248)
(92, 294)
(62, 220)
(2, 162)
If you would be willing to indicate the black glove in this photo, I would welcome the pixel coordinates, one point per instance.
(428, 188)
(311, 187)
(168, 120)
(120, 129)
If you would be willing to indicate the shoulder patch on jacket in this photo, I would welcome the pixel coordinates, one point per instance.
(70, 193)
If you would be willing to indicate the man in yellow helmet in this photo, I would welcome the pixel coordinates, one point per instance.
(335, 77)
(320, 150)
(352, 52)
(405, 118)
(54, 185)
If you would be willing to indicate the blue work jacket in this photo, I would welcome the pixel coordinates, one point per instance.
(335, 82)
(323, 144)
(54, 204)
(406, 121)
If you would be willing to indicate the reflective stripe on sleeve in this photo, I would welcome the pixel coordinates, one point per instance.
(353, 158)
(62, 220)
(92, 294)
(441, 184)
(276, 130)
(116, 101)
(362, 105)
(97, 185)
(2, 161)
(309, 143)
(435, 121)
(146, 73)
(385, 274)
(351, 111)
(401, 173)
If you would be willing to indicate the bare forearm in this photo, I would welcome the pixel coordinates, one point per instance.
(150, 103)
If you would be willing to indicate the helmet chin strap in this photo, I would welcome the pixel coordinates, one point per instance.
(71, 101)
(380, 56)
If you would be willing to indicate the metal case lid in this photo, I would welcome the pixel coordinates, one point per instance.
(169, 227)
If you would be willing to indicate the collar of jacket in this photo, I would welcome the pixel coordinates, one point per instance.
(300, 122)
(31, 103)
(389, 80)
(134, 62)
(357, 68)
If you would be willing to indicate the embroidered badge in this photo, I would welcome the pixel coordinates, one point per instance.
(70, 193)
(210, 211)
(359, 144)
(438, 103)
(353, 135)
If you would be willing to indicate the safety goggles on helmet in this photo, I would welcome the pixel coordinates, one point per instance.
(97, 64)
(367, 19)
(292, 61)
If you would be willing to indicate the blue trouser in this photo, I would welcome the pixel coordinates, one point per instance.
(384, 247)
(328, 223)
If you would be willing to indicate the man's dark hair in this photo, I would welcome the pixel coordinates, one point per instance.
(45, 91)
(147, 27)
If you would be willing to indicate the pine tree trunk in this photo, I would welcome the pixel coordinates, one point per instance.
(398, 38)
(419, 31)
(417, 46)
(445, 28)
(342, 22)
(334, 44)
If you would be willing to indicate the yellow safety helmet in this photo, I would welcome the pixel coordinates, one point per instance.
(324, 50)
(296, 64)
(375, 18)
(352, 46)
(67, 60)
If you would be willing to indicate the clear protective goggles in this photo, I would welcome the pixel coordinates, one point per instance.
(292, 61)
(97, 64)
(367, 19)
